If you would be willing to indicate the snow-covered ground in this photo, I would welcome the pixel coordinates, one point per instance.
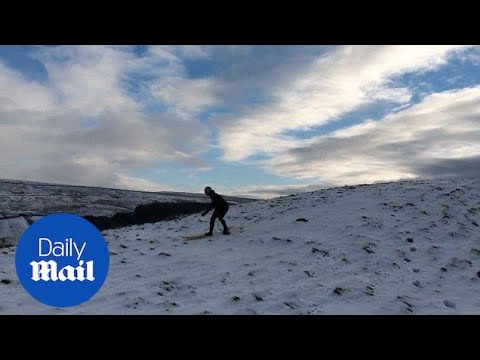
(408, 247)
(39, 199)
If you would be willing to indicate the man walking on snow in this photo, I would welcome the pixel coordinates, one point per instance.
(220, 207)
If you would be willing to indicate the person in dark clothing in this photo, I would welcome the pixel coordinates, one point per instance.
(220, 207)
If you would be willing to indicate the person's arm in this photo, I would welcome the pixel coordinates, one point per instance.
(210, 207)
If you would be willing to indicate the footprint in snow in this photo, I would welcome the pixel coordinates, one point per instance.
(309, 274)
(460, 263)
(369, 290)
(449, 304)
(290, 305)
(405, 300)
(368, 249)
(258, 297)
(417, 283)
(475, 251)
(322, 252)
(339, 290)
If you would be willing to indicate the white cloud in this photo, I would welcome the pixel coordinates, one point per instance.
(88, 78)
(185, 96)
(335, 83)
(438, 137)
(17, 93)
(396, 95)
(133, 183)
(84, 126)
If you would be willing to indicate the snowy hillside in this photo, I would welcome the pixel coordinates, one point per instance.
(32, 199)
(408, 247)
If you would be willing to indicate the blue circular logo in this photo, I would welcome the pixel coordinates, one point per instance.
(62, 260)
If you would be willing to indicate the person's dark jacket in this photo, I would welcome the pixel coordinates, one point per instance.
(218, 203)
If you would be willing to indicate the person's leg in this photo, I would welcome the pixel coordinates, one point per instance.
(224, 225)
(222, 220)
(212, 223)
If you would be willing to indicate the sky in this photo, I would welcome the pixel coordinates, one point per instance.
(259, 121)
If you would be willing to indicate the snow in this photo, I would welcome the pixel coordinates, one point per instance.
(410, 247)
(40, 199)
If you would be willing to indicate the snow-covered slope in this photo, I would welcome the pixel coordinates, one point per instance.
(398, 248)
(39, 199)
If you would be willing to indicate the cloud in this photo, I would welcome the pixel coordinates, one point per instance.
(193, 51)
(87, 78)
(186, 97)
(437, 137)
(472, 56)
(17, 93)
(270, 191)
(84, 126)
(107, 113)
(78, 171)
(335, 83)
(133, 183)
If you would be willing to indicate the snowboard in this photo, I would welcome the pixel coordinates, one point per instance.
(201, 236)
(195, 237)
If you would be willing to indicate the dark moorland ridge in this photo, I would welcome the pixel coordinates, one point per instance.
(148, 213)
(106, 208)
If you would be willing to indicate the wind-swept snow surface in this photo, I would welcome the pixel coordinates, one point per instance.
(408, 247)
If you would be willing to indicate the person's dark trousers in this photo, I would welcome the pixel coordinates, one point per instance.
(220, 215)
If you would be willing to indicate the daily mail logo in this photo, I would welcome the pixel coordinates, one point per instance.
(48, 270)
(62, 260)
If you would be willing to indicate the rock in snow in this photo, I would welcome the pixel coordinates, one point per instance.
(11, 229)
